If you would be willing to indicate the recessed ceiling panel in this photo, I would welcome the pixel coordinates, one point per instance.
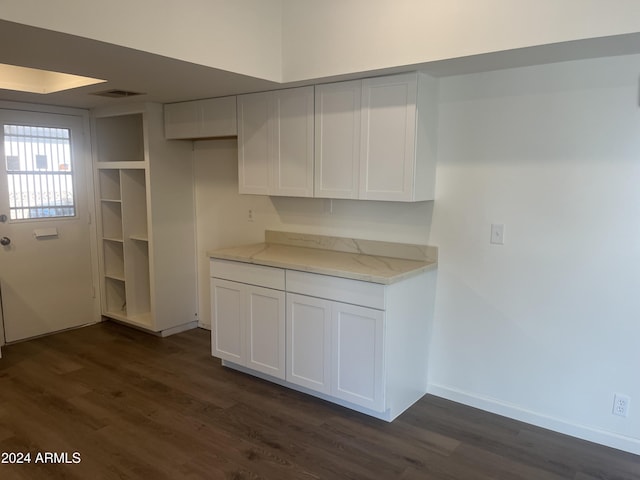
(33, 80)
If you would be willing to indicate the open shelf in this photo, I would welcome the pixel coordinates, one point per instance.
(109, 184)
(116, 300)
(120, 138)
(122, 180)
(142, 320)
(111, 220)
(113, 259)
(138, 280)
(145, 280)
(134, 199)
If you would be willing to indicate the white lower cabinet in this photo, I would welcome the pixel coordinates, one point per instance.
(359, 344)
(248, 325)
(309, 342)
(227, 327)
(265, 330)
(336, 348)
(357, 351)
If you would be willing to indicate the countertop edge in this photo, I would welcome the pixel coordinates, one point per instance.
(371, 278)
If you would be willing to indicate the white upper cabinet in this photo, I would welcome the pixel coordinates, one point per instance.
(253, 143)
(275, 142)
(376, 138)
(387, 169)
(337, 147)
(371, 139)
(210, 118)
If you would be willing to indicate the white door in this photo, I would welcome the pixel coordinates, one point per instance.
(45, 253)
(265, 323)
(337, 139)
(309, 342)
(388, 136)
(358, 355)
(292, 143)
(253, 143)
(248, 326)
(227, 311)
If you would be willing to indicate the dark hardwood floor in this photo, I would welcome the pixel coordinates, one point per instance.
(135, 406)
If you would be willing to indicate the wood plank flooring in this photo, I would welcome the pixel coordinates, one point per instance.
(135, 406)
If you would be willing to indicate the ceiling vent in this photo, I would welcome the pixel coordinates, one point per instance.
(117, 94)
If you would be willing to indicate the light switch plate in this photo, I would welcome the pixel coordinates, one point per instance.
(497, 234)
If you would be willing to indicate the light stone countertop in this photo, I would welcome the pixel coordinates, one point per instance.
(340, 257)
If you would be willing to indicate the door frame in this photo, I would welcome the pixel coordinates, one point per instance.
(84, 116)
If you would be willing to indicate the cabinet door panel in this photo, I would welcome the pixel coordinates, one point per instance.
(337, 140)
(358, 354)
(218, 117)
(308, 342)
(210, 118)
(181, 120)
(388, 137)
(292, 146)
(253, 143)
(266, 331)
(227, 333)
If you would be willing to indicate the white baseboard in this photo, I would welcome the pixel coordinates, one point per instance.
(591, 434)
(179, 329)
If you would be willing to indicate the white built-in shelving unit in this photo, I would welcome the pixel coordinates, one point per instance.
(145, 220)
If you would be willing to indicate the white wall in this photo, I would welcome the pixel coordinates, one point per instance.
(290, 40)
(221, 212)
(547, 327)
(241, 36)
(331, 37)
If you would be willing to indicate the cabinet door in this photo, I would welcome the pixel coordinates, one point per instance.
(210, 118)
(357, 372)
(227, 326)
(181, 120)
(309, 342)
(292, 143)
(218, 117)
(388, 137)
(253, 142)
(337, 139)
(265, 323)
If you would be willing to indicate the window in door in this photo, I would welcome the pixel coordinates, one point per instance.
(39, 172)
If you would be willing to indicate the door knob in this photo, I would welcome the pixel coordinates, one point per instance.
(5, 241)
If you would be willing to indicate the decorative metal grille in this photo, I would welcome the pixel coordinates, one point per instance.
(39, 172)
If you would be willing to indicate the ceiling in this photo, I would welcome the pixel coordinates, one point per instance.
(165, 80)
(161, 79)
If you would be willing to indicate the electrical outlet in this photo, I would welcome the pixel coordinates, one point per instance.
(250, 216)
(621, 404)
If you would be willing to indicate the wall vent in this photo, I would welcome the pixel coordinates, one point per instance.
(117, 93)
